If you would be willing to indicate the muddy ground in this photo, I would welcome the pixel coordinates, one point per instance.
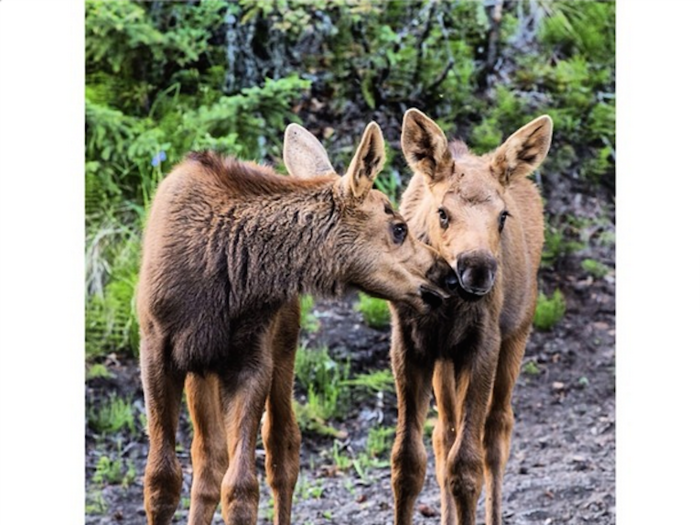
(562, 464)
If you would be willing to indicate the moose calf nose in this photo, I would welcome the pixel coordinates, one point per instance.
(443, 276)
(476, 272)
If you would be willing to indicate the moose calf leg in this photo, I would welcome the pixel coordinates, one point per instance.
(444, 435)
(163, 394)
(209, 458)
(465, 462)
(408, 457)
(499, 425)
(281, 435)
(243, 394)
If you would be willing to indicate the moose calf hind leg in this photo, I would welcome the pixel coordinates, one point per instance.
(163, 395)
(244, 394)
(408, 457)
(209, 458)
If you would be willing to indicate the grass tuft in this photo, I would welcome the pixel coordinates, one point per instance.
(549, 310)
(375, 312)
(595, 268)
(112, 417)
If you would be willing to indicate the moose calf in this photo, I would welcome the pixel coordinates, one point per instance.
(485, 218)
(228, 247)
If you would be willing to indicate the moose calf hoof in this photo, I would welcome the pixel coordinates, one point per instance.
(465, 479)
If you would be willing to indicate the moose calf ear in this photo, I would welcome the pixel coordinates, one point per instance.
(524, 151)
(366, 164)
(304, 156)
(424, 145)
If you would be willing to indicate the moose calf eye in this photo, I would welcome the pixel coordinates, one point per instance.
(502, 220)
(444, 221)
(399, 232)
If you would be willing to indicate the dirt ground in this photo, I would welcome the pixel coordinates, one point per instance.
(562, 463)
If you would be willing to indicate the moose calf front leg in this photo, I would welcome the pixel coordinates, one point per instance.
(281, 435)
(499, 424)
(444, 434)
(243, 395)
(408, 458)
(163, 395)
(465, 462)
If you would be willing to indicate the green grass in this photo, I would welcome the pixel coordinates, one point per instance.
(340, 459)
(112, 417)
(114, 471)
(375, 312)
(595, 268)
(95, 504)
(530, 368)
(309, 322)
(549, 310)
(557, 246)
(379, 441)
(98, 370)
(323, 381)
(379, 381)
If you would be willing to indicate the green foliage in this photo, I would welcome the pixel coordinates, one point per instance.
(596, 268)
(154, 92)
(530, 368)
(164, 78)
(98, 370)
(557, 244)
(322, 379)
(95, 503)
(549, 310)
(375, 312)
(378, 381)
(111, 266)
(379, 441)
(112, 417)
(306, 489)
(341, 460)
(309, 322)
(114, 471)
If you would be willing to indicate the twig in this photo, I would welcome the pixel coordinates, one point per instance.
(424, 35)
(441, 78)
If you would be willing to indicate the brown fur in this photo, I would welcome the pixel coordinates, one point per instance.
(469, 352)
(228, 247)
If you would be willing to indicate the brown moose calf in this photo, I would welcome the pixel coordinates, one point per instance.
(228, 247)
(485, 218)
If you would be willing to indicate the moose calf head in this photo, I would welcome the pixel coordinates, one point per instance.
(375, 250)
(468, 205)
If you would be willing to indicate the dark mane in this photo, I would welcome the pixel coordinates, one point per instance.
(249, 178)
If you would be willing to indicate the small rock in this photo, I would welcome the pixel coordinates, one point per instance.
(558, 385)
(426, 510)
